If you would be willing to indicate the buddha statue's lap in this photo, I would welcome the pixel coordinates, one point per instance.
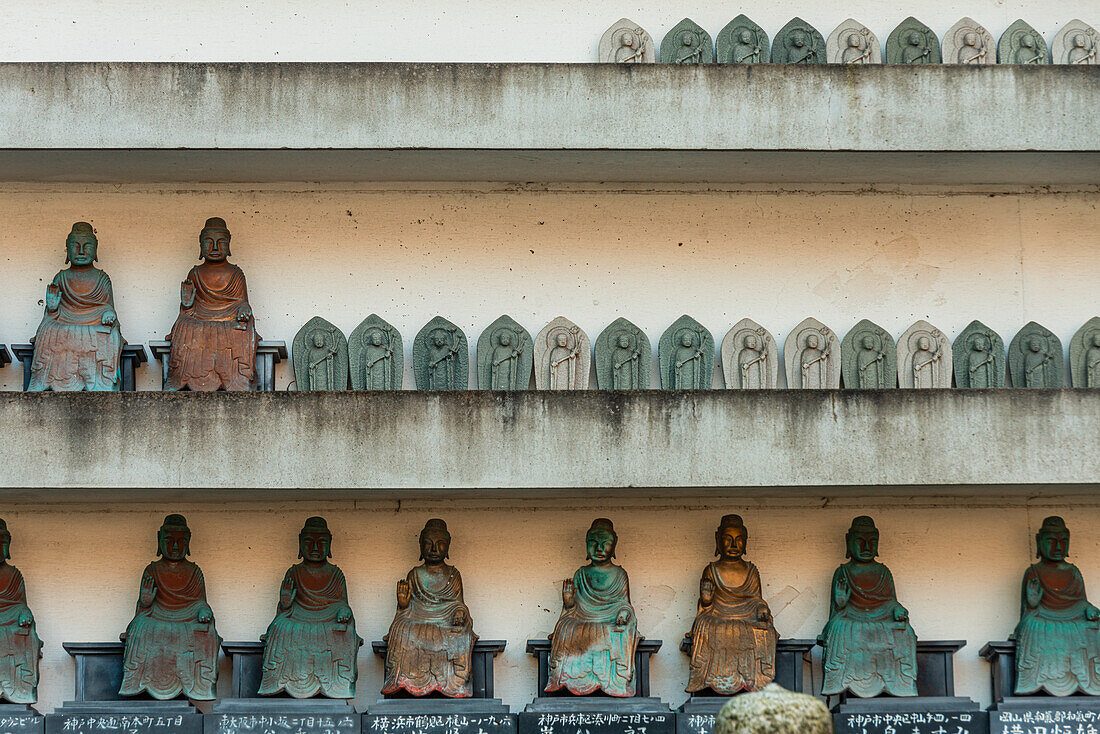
(20, 648)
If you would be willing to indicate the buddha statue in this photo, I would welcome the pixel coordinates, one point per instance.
(431, 641)
(1058, 637)
(213, 342)
(20, 647)
(171, 644)
(78, 345)
(870, 649)
(593, 644)
(732, 640)
(310, 647)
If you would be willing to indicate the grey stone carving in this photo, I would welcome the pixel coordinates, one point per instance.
(741, 42)
(623, 356)
(1076, 44)
(966, 42)
(979, 357)
(377, 355)
(626, 42)
(1022, 44)
(686, 355)
(320, 355)
(798, 42)
(1035, 358)
(441, 357)
(853, 43)
(750, 357)
(563, 356)
(687, 43)
(812, 357)
(504, 356)
(912, 42)
(1084, 355)
(924, 357)
(868, 358)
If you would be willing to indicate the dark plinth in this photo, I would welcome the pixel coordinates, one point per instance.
(268, 354)
(132, 356)
(1032, 712)
(790, 656)
(98, 670)
(541, 650)
(481, 675)
(5, 355)
(125, 717)
(20, 718)
(935, 672)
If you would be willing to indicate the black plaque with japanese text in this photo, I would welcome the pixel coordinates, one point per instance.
(282, 723)
(1045, 721)
(912, 722)
(441, 723)
(694, 723)
(597, 723)
(124, 723)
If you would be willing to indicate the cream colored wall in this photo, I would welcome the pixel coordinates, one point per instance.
(589, 254)
(957, 568)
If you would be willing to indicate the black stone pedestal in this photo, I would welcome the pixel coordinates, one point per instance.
(132, 356)
(481, 675)
(20, 718)
(5, 355)
(268, 354)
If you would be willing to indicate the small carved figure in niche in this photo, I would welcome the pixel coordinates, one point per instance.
(915, 52)
(1058, 636)
(869, 360)
(924, 357)
(853, 43)
(20, 648)
(972, 51)
(1035, 358)
(320, 355)
(751, 363)
(733, 638)
(687, 43)
(980, 363)
(812, 356)
(441, 357)
(1084, 355)
(927, 364)
(622, 355)
(814, 363)
(856, 52)
(504, 356)
(1076, 44)
(978, 355)
(1022, 44)
(798, 43)
(750, 359)
(311, 645)
(377, 355)
(171, 644)
(214, 338)
(626, 42)
(912, 42)
(870, 649)
(686, 354)
(593, 644)
(563, 356)
(322, 358)
(741, 42)
(966, 42)
(431, 641)
(78, 345)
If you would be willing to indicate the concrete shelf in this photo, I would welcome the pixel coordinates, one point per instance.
(220, 122)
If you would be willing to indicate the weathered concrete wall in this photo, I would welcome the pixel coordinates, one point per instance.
(593, 439)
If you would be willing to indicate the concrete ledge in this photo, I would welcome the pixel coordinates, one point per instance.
(481, 442)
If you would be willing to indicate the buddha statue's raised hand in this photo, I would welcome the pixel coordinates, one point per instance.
(287, 593)
(842, 593)
(1034, 593)
(404, 594)
(187, 293)
(706, 592)
(53, 297)
(148, 592)
(568, 594)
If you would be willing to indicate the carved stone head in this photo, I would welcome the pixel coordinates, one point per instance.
(1052, 540)
(315, 540)
(862, 539)
(174, 538)
(731, 537)
(81, 246)
(435, 541)
(600, 541)
(5, 542)
(214, 240)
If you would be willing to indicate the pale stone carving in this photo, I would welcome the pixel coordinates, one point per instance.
(912, 42)
(868, 358)
(853, 43)
(320, 356)
(504, 356)
(812, 357)
(687, 43)
(979, 356)
(1076, 44)
(563, 356)
(750, 358)
(686, 355)
(377, 355)
(968, 43)
(626, 42)
(1022, 44)
(441, 357)
(623, 355)
(798, 42)
(1084, 355)
(924, 357)
(1035, 358)
(741, 42)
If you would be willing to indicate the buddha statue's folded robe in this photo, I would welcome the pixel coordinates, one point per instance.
(210, 347)
(73, 350)
(306, 650)
(588, 650)
(1057, 648)
(867, 650)
(426, 651)
(731, 648)
(20, 647)
(168, 651)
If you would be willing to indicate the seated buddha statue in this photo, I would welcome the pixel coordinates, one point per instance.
(20, 647)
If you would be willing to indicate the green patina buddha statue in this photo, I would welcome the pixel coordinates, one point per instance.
(870, 649)
(1058, 637)
(20, 647)
(171, 644)
(311, 645)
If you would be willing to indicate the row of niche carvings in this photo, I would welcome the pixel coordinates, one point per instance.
(311, 645)
(744, 42)
(213, 344)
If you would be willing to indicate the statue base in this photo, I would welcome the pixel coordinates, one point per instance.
(277, 715)
(597, 715)
(911, 714)
(20, 718)
(438, 715)
(268, 354)
(481, 669)
(132, 716)
(133, 355)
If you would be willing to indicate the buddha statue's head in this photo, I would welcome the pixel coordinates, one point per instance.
(862, 540)
(812, 342)
(435, 541)
(627, 39)
(600, 541)
(174, 538)
(439, 338)
(374, 338)
(562, 339)
(686, 339)
(798, 39)
(81, 245)
(214, 240)
(5, 542)
(1027, 41)
(1052, 540)
(853, 40)
(1096, 339)
(924, 344)
(1079, 40)
(730, 538)
(318, 339)
(868, 342)
(914, 39)
(315, 540)
(505, 338)
(1035, 344)
(750, 341)
(980, 344)
(746, 36)
(971, 39)
(624, 341)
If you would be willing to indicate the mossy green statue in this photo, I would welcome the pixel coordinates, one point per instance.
(311, 645)
(171, 644)
(870, 649)
(1058, 637)
(20, 647)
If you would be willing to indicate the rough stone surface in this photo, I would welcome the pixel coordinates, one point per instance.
(686, 356)
(812, 357)
(1022, 44)
(750, 357)
(441, 357)
(924, 357)
(742, 42)
(623, 355)
(1084, 355)
(320, 355)
(912, 42)
(851, 42)
(1035, 358)
(562, 366)
(868, 358)
(798, 42)
(773, 710)
(979, 356)
(377, 355)
(505, 356)
(687, 43)
(626, 42)
(966, 42)
(1077, 44)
